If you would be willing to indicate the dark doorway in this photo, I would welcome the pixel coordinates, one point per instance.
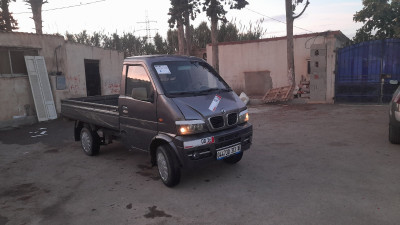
(93, 84)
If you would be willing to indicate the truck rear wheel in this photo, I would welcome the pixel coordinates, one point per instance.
(168, 168)
(90, 142)
(234, 159)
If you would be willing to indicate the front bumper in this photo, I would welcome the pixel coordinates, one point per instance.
(195, 150)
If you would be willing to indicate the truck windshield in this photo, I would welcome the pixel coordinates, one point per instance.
(188, 77)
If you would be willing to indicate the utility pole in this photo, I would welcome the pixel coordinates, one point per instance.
(147, 27)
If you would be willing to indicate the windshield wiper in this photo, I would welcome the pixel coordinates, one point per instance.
(213, 89)
(199, 92)
(183, 93)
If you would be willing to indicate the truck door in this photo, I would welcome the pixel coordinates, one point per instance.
(138, 108)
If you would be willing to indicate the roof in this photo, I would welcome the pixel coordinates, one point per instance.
(338, 34)
(161, 58)
(27, 33)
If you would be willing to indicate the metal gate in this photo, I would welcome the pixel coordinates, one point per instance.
(368, 71)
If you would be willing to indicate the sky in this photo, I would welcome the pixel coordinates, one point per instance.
(122, 16)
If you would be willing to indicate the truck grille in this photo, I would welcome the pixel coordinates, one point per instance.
(217, 122)
(232, 119)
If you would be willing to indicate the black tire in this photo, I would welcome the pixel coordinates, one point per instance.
(394, 134)
(234, 159)
(90, 142)
(167, 164)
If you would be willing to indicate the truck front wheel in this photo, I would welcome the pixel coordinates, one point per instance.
(90, 142)
(168, 168)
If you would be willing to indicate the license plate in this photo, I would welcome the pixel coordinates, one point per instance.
(223, 153)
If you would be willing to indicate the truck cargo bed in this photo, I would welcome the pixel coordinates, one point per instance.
(98, 110)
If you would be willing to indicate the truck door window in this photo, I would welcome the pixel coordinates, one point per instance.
(138, 85)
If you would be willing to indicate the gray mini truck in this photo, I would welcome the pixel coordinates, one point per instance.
(174, 107)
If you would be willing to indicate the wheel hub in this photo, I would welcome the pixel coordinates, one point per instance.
(86, 142)
(162, 166)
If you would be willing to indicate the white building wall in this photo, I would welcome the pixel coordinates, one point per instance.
(271, 55)
(15, 91)
(15, 98)
(110, 67)
(45, 44)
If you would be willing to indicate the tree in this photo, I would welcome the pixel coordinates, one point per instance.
(69, 37)
(254, 32)
(176, 17)
(228, 32)
(161, 46)
(290, 17)
(172, 40)
(216, 12)
(36, 6)
(381, 20)
(181, 12)
(7, 21)
(202, 35)
(95, 39)
(82, 38)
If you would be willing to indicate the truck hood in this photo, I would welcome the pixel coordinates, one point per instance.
(197, 107)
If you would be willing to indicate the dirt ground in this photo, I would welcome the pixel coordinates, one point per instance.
(309, 164)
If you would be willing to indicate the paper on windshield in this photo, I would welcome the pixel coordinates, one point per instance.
(162, 69)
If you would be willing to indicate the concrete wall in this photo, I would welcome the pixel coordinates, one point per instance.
(45, 44)
(238, 58)
(15, 91)
(16, 98)
(74, 58)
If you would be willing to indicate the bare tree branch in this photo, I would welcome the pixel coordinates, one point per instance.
(304, 9)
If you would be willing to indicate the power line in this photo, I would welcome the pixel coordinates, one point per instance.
(277, 20)
(65, 7)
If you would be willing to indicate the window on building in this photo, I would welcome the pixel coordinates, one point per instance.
(138, 85)
(12, 61)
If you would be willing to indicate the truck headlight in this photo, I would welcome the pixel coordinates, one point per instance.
(243, 116)
(187, 127)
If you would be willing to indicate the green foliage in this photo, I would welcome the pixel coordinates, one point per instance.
(82, 37)
(127, 43)
(201, 35)
(172, 41)
(231, 32)
(132, 45)
(228, 32)
(95, 39)
(215, 8)
(254, 32)
(7, 21)
(69, 37)
(181, 7)
(381, 19)
(161, 45)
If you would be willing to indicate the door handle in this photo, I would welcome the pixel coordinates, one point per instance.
(125, 109)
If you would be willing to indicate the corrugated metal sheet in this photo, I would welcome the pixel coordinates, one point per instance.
(41, 90)
(360, 68)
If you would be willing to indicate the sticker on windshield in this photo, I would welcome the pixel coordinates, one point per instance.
(214, 103)
(162, 69)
